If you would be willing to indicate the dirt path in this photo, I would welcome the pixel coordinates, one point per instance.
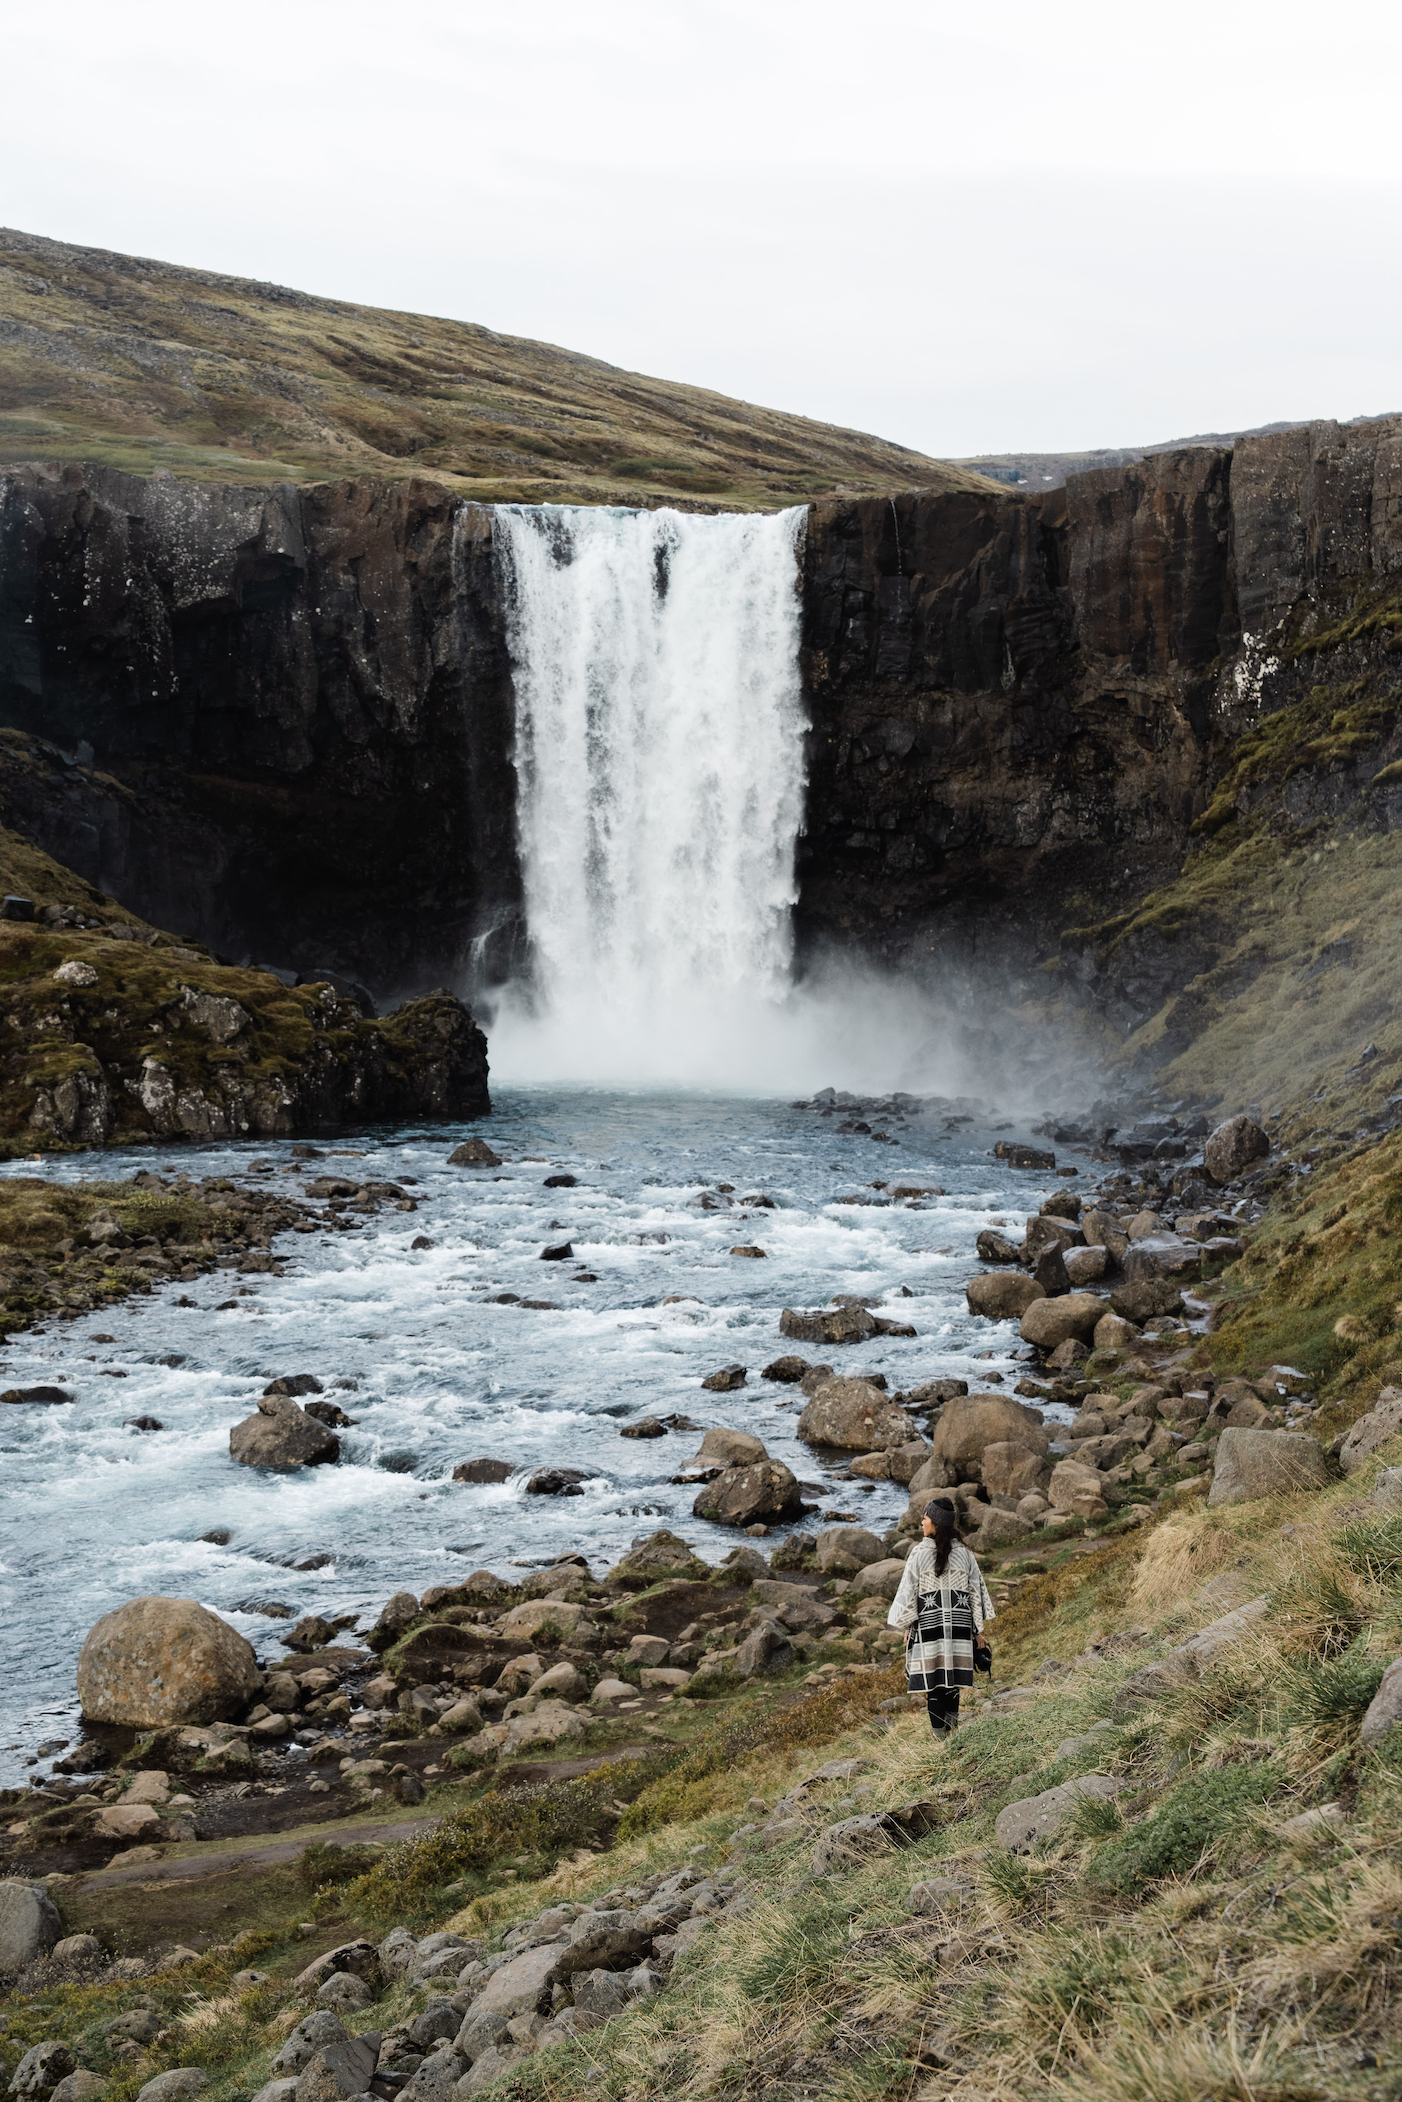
(268, 1855)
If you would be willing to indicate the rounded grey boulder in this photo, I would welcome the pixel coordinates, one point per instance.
(29, 1927)
(1266, 1463)
(1232, 1148)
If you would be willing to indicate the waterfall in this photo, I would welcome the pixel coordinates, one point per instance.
(659, 756)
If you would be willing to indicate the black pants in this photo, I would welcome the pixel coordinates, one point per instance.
(943, 1704)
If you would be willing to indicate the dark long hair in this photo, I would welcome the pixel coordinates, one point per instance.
(941, 1516)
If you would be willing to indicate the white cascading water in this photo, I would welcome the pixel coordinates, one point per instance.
(659, 753)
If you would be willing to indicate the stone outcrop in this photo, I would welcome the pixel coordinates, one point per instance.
(157, 1661)
(856, 1417)
(1252, 1463)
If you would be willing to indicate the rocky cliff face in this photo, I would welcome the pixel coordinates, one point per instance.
(278, 720)
(1021, 706)
(298, 698)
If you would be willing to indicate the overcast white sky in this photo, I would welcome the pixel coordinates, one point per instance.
(1023, 226)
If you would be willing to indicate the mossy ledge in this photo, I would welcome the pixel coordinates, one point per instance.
(113, 1033)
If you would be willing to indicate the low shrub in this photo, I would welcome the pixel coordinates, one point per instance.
(1373, 1547)
(1332, 1693)
(1201, 1812)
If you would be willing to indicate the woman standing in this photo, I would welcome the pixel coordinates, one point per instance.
(943, 1605)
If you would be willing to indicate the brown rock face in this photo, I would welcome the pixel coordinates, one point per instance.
(974, 1422)
(164, 1660)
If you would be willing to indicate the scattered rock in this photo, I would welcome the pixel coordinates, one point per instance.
(45, 1397)
(1051, 1321)
(1022, 1825)
(556, 1481)
(174, 2086)
(1085, 1266)
(164, 1660)
(844, 1549)
(1190, 1658)
(971, 1423)
(1385, 1708)
(29, 1926)
(282, 1437)
(1002, 1295)
(1252, 1463)
(651, 1561)
(561, 1253)
(1145, 1299)
(727, 1379)
(1015, 1470)
(844, 1324)
(936, 1895)
(749, 1495)
(753, 1252)
(726, 1448)
(1232, 1148)
(1077, 1489)
(81, 2086)
(1383, 1421)
(785, 1371)
(645, 1427)
(483, 1471)
(474, 1153)
(991, 1247)
(42, 2067)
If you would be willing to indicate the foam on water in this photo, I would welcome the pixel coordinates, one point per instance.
(95, 1513)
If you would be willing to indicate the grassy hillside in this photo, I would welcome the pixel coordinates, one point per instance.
(141, 365)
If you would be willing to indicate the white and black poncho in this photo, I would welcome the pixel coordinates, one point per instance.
(943, 1613)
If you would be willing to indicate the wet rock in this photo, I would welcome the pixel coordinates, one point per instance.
(1052, 1321)
(1382, 1422)
(483, 1471)
(1113, 1332)
(281, 1438)
(645, 1427)
(1252, 1463)
(754, 1253)
(164, 1660)
(556, 1481)
(1002, 1295)
(29, 1927)
(786, 1371)
(1049, 1271)
(727, 1448)
(1232, 1148)
(1022, 1826)
(1085, 1266)
(749, 1495)
(855, 1417)
(844, 1324)
(474, 1153)
(43, 1397)
(1164, 1255)
(726, 1380)
(562, 1252)
(992, 1247)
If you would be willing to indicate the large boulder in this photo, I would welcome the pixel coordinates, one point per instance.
(29, 1926)
(42, 2067)
(164, 1660)
(538, 1616)
(1013, 1469)
(750, 1495)
(1144, 1298)
(973, 1422)
(651, 1561)
(1265, 1463)
(879, 1579)
(855, 1416)
(1070, 1319)
(282, 1438)
(1383, 1421)
(1232, 1148)
(1045, 1231)
(1077, 1490)
(1001, 1295)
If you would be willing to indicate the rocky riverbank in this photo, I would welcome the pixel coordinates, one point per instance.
(115, 1032)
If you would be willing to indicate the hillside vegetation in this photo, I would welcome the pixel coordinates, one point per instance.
(142, 365)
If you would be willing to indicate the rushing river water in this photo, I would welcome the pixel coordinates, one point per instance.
(414, 1345)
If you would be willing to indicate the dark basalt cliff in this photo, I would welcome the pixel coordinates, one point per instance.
(278, 720)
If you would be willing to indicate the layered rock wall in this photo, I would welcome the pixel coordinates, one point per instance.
(279, 719)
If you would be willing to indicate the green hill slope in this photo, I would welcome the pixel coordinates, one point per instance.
(142, 365)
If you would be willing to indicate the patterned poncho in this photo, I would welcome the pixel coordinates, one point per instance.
(942, 1614)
